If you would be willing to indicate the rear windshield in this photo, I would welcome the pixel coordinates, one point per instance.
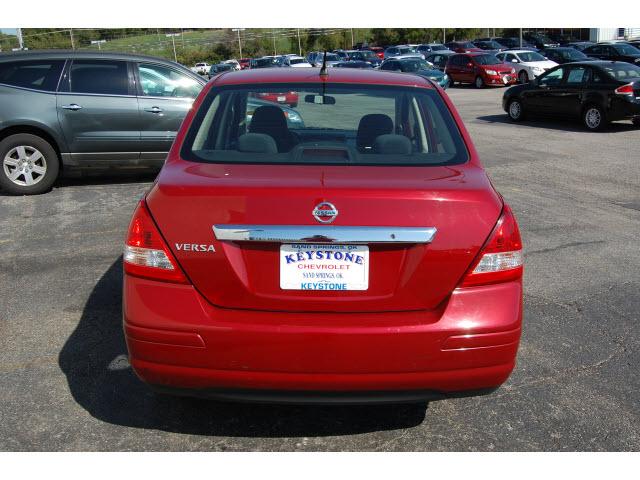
(626, 49)
(335, 124)
(622, 71)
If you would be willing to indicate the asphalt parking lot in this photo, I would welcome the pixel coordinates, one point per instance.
(65, 383)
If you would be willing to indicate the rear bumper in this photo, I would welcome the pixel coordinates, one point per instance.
(178, 341)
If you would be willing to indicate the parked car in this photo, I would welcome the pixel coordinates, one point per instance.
(416, 66)
(597, 92)
(343, 54)
(290, 98)
(379, 51)
(263, 62)
(353, 64)
(201, 68)
(316, 59)
(293, 118)
(562, 55)
(619, 52)
(462, 47)
(234, 63)
(64, 110)
(540, 41)
(480, 69)
(244, 63)
(579, 45)
(366, 56)
(489, 45)
(366, 257)
(528, 64)
(292, 61)
(427, 48)
(514, 43)
(439, 59)
(221, 67)
(398, 50)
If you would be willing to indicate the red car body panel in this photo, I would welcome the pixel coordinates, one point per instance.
(286, 98)
(232, 327)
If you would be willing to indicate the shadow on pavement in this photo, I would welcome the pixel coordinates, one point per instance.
(101, 381)
(558, 124)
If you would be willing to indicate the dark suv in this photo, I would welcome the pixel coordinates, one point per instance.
(62, 110)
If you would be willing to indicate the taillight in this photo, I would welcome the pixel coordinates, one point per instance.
(145, 252)
(500, 260)
(625, 89)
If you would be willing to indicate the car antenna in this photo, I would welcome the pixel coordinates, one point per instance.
(323, 70)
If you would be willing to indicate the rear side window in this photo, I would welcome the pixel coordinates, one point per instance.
(338, 125)
(104, 77)
(160, 81)
(622, 71)
(35, 74)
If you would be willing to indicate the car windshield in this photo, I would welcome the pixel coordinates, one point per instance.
(467, 45)
(437, 47)
(572, 54)
(368, 54)
(623, 71)
(293, 61)
(331, 57)
(486, 60)
(625, 49)
(531, 57)
(413, 65)
(332, 124)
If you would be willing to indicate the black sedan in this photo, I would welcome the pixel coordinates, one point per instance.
(579, 45)
(619, 52)
(597, 92)
(562, 55)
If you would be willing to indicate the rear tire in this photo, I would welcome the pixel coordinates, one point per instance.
(515, 110)
(29, 164)
(479, 83)
(523, 77)
(593, 117)
(636, 121)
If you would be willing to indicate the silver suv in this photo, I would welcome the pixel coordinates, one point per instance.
(63, 110)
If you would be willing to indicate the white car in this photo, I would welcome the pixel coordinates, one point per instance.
(528, 64)
(295, 61)
(201, 68)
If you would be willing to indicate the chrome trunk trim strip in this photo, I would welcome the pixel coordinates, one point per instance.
(323, 234)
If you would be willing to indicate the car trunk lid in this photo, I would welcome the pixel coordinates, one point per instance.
(189, 199)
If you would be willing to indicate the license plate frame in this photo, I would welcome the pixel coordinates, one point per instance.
(317, 267)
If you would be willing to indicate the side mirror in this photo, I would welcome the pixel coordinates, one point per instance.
(515, 60)
(469, 64)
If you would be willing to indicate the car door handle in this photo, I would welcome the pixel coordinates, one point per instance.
(153, 110)
(73, 106)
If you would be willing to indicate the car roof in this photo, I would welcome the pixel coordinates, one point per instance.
(517, 51)
(80, 54)
(312, 75)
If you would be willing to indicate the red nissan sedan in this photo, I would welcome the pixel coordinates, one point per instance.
(357, 254)
(480, 69)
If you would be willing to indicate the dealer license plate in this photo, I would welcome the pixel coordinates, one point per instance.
(324, 267)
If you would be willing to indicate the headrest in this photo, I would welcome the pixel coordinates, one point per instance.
(392, 144)
(257, 143)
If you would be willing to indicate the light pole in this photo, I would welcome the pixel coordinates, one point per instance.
(73, 45)
(275, 51)
(444, 35)
(352, 42)
(98, 42)
(173, 39)
(239, 42)
(299, 45)
(20, 41)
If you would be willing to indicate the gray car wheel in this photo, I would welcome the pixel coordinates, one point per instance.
(515, 110)
(479, 82)
(593, 118)
(29, 164)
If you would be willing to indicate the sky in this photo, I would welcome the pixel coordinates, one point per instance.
(8, 31)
